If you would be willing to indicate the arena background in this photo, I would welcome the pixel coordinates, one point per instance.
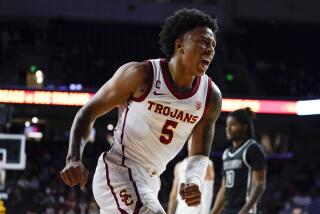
(55, 54)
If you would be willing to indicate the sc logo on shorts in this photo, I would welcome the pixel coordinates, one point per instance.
(126, 197)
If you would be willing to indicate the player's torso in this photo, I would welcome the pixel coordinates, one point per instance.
(237, 173)
(153, 130)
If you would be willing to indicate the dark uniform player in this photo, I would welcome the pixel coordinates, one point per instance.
(244, 167)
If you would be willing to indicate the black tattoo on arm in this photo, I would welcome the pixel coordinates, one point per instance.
(213, 113)
(204, 130)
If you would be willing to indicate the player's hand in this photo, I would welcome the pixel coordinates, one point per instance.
(74, 173)
(190, 193)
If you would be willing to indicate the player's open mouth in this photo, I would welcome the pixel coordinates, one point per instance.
(205, 62)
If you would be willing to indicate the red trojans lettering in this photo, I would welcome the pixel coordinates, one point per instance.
(174, 113)
(126, 197)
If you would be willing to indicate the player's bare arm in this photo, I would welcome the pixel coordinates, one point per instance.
(203, 132)
(201, 144)
(172, 204)
(210, 172)
(258, 187)
(111, 94)
(218, 204)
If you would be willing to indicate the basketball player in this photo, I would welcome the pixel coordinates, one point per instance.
(178, 206)
(161, 103)
(244, 167)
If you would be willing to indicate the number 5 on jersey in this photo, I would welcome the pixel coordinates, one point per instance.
(167, 131)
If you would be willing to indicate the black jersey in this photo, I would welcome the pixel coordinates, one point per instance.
(238, 165)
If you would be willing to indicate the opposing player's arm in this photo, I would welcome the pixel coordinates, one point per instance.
(218, 204)
(258, 187)
(113, 93)
(210, 172)
(172, 204)
(257, 159)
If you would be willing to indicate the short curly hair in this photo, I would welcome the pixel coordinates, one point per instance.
(181, 22)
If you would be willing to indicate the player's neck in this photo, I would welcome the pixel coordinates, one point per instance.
(180, 77)
(237, 143)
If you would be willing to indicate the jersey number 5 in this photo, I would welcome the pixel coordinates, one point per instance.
(167, 131)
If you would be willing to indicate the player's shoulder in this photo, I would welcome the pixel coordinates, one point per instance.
(255, 148)
(225, 153)
(136, 70)
(215, 91)
(255, 144)
(215, 97)
(135, 66)
(213, 103)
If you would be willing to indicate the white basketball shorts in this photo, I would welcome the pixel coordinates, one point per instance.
(125, 187)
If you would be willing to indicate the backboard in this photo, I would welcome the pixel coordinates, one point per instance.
(12, 151)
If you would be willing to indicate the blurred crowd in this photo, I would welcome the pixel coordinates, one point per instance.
(293, 183)
(38, 188)
(248, 62)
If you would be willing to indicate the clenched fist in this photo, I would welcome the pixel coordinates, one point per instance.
(190, 193)
(74, 173)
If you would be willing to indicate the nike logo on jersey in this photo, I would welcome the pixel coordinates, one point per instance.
(156, 93)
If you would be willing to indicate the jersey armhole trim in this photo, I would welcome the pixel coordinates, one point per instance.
(244, 156)
(146, 93)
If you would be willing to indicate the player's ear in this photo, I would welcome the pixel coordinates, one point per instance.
(178, 44)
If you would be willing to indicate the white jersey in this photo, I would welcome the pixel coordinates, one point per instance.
(206, 193)
(153, 128)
